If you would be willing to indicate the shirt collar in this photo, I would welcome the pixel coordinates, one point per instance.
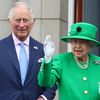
(17, 41)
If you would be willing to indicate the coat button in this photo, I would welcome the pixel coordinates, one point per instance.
(86, 92)
(84, 78)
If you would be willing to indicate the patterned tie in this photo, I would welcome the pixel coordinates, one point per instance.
(23, 61)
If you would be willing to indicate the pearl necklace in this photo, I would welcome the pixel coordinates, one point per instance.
(85, 66)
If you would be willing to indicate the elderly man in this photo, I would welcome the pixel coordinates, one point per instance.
(20, 59)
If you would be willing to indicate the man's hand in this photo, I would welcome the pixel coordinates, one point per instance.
(49, 48)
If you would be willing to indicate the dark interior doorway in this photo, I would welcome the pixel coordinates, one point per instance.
(89, 11)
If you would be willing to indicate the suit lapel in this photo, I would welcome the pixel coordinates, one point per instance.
(33, 58)
(10, 49)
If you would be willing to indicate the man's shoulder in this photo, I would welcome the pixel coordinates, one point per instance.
(35, 41)
(36, 44)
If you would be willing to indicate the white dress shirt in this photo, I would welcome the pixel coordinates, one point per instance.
(17, 42)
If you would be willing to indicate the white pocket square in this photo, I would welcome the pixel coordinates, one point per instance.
(40, 60)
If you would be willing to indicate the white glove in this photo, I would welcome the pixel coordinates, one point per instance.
(49, 48)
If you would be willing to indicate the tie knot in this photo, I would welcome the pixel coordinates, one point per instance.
(21, 44)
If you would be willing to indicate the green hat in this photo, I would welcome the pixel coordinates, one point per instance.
(82, 30)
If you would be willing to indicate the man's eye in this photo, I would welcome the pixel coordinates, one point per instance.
(25, 20)
(18, 20)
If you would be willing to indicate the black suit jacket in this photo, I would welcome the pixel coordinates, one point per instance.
(10, 80)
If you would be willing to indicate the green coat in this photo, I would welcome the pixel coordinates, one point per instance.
(74, 83)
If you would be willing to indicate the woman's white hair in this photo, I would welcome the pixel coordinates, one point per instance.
(20, 3)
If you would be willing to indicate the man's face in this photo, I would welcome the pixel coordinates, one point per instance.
(21, 22)
(80, 47)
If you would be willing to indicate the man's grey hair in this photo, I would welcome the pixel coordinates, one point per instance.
(10, 15)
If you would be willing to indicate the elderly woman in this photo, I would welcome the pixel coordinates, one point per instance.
(78, 72)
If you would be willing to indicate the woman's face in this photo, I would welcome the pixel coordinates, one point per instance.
(80, 48)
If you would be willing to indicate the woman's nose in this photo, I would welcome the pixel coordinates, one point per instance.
(78, 44)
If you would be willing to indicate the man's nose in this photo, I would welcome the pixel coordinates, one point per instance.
(21, 22)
